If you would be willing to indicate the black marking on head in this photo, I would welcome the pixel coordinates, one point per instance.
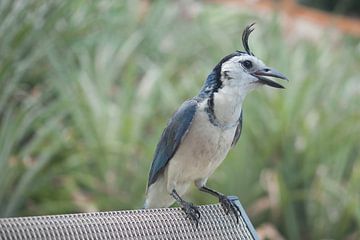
(226, 75)
(245, 38)
(213, 82)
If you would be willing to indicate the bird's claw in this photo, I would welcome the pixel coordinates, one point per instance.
(228, 205)
(192, 212)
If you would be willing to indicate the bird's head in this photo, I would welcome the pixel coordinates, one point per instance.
(241, 69)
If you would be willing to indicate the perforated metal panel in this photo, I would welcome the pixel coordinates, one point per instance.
(164, 223)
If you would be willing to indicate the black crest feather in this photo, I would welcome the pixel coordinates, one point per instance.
(245, 38)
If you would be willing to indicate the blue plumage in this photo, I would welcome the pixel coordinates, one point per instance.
(172, 137)
(181, 121)
(213, 82)
(202, 131)
(238, 131)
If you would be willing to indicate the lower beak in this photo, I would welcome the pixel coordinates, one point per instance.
(270, 72)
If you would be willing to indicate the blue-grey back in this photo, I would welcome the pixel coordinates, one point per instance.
(171, 138)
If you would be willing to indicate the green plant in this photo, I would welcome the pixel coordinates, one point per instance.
(87, 88)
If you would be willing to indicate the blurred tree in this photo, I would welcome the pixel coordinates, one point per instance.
(345, 7)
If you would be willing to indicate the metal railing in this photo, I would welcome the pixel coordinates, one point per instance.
(163, 223)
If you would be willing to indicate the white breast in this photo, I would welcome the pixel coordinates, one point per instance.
(201, 152)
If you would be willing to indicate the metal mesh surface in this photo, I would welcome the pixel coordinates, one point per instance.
(164, 223)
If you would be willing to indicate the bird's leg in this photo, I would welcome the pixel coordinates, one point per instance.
(226, 203)
(190, 210)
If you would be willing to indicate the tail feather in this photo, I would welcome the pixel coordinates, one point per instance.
(157, 195)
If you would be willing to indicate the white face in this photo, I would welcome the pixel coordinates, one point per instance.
(237, 72)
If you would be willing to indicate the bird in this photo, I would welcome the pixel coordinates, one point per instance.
(202, 131)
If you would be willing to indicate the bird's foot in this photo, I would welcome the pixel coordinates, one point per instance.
(192, 212)
(229, 206)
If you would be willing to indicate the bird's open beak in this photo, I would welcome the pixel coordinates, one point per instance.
(270, 72)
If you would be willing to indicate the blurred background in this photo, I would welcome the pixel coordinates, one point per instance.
(88, 86)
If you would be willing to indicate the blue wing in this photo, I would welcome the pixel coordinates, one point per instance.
(171, 138)
(238, 131)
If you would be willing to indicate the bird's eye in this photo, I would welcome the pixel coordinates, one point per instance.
(247, 64)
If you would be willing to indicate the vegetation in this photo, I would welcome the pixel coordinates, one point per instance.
(86, 90)
(349, 7)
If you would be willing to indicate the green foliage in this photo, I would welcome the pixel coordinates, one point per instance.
(86, 90)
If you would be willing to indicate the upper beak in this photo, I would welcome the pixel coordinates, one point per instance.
(271, 73)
